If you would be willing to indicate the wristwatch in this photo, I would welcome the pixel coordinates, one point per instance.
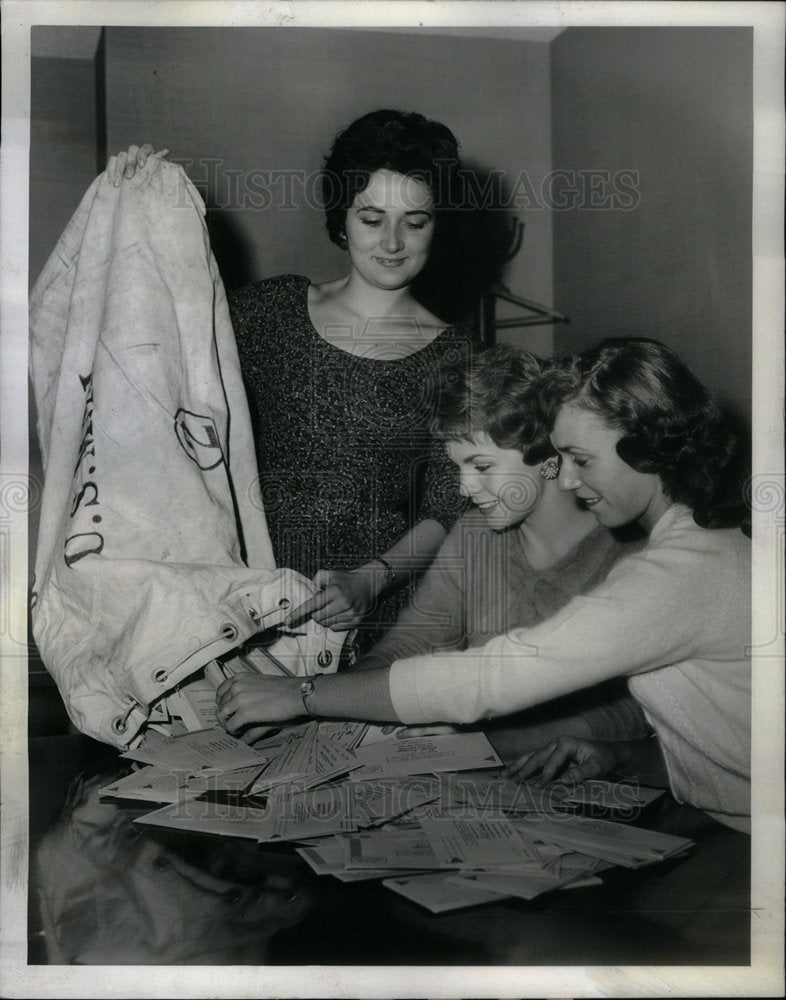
(306, 690)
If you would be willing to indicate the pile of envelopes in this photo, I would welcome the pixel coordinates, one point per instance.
(431, 816)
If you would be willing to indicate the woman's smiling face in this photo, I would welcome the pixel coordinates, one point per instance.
(389, 229)
(589, 464)
(497, 480)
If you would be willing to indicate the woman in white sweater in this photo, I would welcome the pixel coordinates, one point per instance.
(640, 439)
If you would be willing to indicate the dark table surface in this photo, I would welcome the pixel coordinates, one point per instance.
(106, 891)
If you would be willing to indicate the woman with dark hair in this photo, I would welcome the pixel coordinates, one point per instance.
(403, 142)
(357, 494)
(673, 617)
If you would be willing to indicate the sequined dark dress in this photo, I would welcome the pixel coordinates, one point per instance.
(346, 463)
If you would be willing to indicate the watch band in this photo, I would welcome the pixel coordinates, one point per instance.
(306, 690)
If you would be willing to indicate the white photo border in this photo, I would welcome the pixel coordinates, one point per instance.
(764, 977)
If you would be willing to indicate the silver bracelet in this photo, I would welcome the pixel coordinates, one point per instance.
(390, 573)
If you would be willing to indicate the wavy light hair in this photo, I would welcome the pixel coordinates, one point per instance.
(496, 392)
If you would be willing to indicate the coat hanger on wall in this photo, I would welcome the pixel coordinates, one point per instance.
(537, 314)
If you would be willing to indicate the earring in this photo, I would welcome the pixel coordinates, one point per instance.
(550, 468)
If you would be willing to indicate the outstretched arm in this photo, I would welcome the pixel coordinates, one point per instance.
(657, 607)
(345, 597)
(248, 700)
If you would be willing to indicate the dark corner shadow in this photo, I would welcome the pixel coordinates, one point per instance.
(231, 247)
(471, 247)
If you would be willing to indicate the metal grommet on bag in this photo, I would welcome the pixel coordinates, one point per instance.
(324, 658)
(160, 676)
(119, 724)
(229, 632)
(284, 603)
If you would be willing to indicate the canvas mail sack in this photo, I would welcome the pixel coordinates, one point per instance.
(153, 553)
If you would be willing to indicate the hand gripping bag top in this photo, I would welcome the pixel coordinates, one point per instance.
(153, 553)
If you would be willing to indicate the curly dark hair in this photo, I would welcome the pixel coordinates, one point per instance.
(672, 425)
(403, 141)
(497, 392)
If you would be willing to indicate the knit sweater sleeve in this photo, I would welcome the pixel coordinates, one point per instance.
(663, 605)
(612, 713)
(435, 619)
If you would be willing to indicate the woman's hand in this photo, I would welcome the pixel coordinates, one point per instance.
(247, 700)
(126, 162)
(343, 600)
(568, 758)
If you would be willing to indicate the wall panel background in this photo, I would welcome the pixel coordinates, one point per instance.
(675, 106)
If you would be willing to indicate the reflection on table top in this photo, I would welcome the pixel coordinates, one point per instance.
(105, 890)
